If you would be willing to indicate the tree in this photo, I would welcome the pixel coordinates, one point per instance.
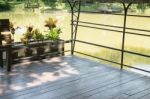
(141, 7)
(51, 3)
(4, 5)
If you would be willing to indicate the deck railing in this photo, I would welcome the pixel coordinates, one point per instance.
(76, 23)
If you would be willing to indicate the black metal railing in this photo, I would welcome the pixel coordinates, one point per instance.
(75, 8)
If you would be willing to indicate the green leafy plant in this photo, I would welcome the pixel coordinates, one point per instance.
(28, 51)
(28, 35)
(5, 6)
(54, 31)
(12, 29)
(29, 32)
(53, 34)
(37, 35)
(26, 39)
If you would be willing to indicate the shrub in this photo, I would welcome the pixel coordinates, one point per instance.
(5, 6)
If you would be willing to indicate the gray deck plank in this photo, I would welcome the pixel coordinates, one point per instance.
(140, 95)
(102, 89)
(94, 72)
(146, 96)
(121, 88)
(67, 92)
(72, 78)
(60, 84)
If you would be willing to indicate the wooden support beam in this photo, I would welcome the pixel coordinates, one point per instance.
(4, 26)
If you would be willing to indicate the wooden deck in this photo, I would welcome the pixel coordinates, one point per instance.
(71, 78)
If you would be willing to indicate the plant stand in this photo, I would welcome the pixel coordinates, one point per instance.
(36, 50)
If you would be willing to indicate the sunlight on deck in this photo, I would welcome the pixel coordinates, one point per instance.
(71, 77)
(59, 70)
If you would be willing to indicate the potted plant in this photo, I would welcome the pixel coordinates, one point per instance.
(39, 37)
(28, 51)
(26, 39)
(53, 36)
(50, 23)
(12, 30)
(7, 35)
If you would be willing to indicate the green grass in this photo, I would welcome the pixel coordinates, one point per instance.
(115, 56)
(135, 59)
(130, 59)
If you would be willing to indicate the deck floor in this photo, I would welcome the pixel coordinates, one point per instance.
(71, 78)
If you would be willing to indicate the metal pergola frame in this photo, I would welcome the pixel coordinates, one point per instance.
(75, 6)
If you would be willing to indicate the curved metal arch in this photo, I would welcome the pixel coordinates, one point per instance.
(75, 14)
(124, 29)
(126, 5)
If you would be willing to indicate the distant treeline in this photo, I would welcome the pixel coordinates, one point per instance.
(4, 5)
(8, 4)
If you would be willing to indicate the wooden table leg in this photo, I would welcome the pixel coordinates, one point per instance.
(1, 59)
(8, 59)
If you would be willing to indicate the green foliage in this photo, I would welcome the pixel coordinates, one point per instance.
(53, 34)
(20, 0)
(51, 3)
(37, 35)
(4, 6)
(24, 40)
(32, 4)
(141, 7)
(109, 54)
(29, 33)
(27, 36)
(129, 59)
(89, 7)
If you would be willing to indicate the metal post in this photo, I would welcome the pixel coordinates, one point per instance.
(77, 22)
(124, 31)
(1, 52)
(9, 57)
(74, 17)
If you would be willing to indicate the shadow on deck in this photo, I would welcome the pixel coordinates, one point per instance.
(71, 77)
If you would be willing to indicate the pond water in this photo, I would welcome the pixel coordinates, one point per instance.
(23, 19)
